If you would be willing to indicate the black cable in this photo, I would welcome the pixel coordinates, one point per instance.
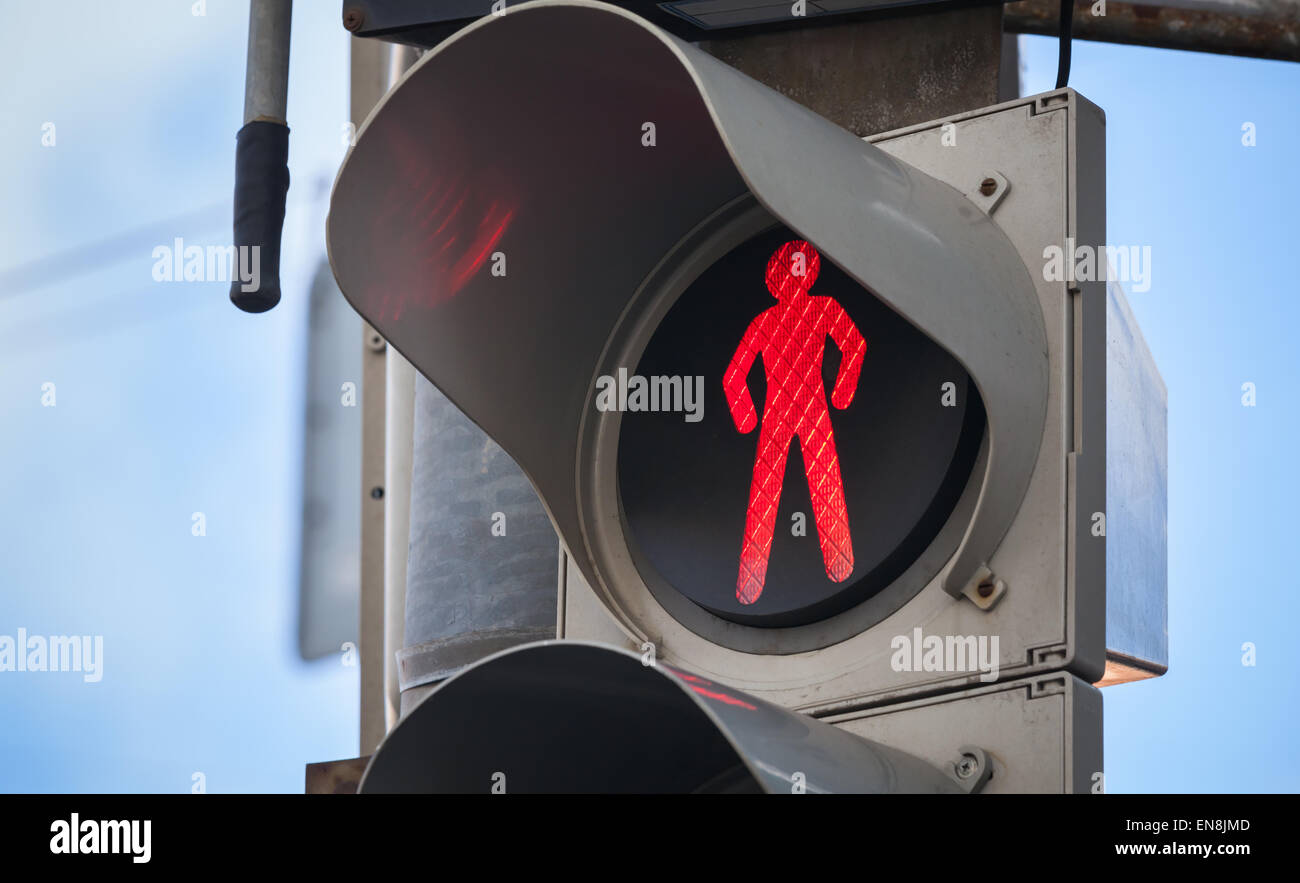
(1066, 32)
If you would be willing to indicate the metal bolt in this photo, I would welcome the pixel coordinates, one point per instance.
(377, 493)
(988, 186)
(967, 766)
(985, 589)
(353, 18)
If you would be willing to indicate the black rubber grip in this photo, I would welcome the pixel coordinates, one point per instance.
(261, 185)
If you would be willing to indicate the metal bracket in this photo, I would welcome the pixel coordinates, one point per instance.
(988, 195)
(985, 590)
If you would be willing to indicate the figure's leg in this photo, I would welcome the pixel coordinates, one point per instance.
(822, 466)
(760, 518)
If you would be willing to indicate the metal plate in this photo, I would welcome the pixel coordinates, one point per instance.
(1044, 734)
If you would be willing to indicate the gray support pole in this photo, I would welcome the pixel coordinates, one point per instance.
(399, 433)
(368, 78)
(481, 572)
(400, 402)
(266, 79)
(873, 76)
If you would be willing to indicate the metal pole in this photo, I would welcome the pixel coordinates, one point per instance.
(266, 79)
(369, 77)
(1253, 28)
(400, 419)
(481, 576)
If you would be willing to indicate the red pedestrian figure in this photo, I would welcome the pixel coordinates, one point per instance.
(791, 337)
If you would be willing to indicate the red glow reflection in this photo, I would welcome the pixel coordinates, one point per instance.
(791, 337)
(700, 685)
(723, 697)
(433, 227)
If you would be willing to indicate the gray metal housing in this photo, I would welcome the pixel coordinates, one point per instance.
(584, 255)
(1042, 734)
(601, 232)
(1046, 157)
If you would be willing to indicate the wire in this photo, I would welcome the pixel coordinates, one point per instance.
(84, 258)
(87, 257)
(1066, 32)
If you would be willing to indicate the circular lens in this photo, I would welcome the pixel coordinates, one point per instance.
(789, 445)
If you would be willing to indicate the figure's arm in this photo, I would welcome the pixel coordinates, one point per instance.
(735, 382)
(852, 348)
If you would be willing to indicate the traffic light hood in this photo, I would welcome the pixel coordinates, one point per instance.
(520, 211)
(572, 717)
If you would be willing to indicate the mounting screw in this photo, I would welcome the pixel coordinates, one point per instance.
(968, 766)
(376, 493)
(988, 186)
(353, 18)
(376, 341)
(985, 588)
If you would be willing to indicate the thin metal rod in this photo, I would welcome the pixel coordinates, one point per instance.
(266, 79)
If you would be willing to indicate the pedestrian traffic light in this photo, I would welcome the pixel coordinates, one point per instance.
(841, 454)
(809, 416)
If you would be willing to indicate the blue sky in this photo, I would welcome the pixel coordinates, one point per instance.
(1221, 312)
(170, 401)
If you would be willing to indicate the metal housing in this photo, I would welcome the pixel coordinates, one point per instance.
(1043, 734)
(1046, 156)
(501, 140)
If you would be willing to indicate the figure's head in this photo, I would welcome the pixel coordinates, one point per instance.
(792, 269)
